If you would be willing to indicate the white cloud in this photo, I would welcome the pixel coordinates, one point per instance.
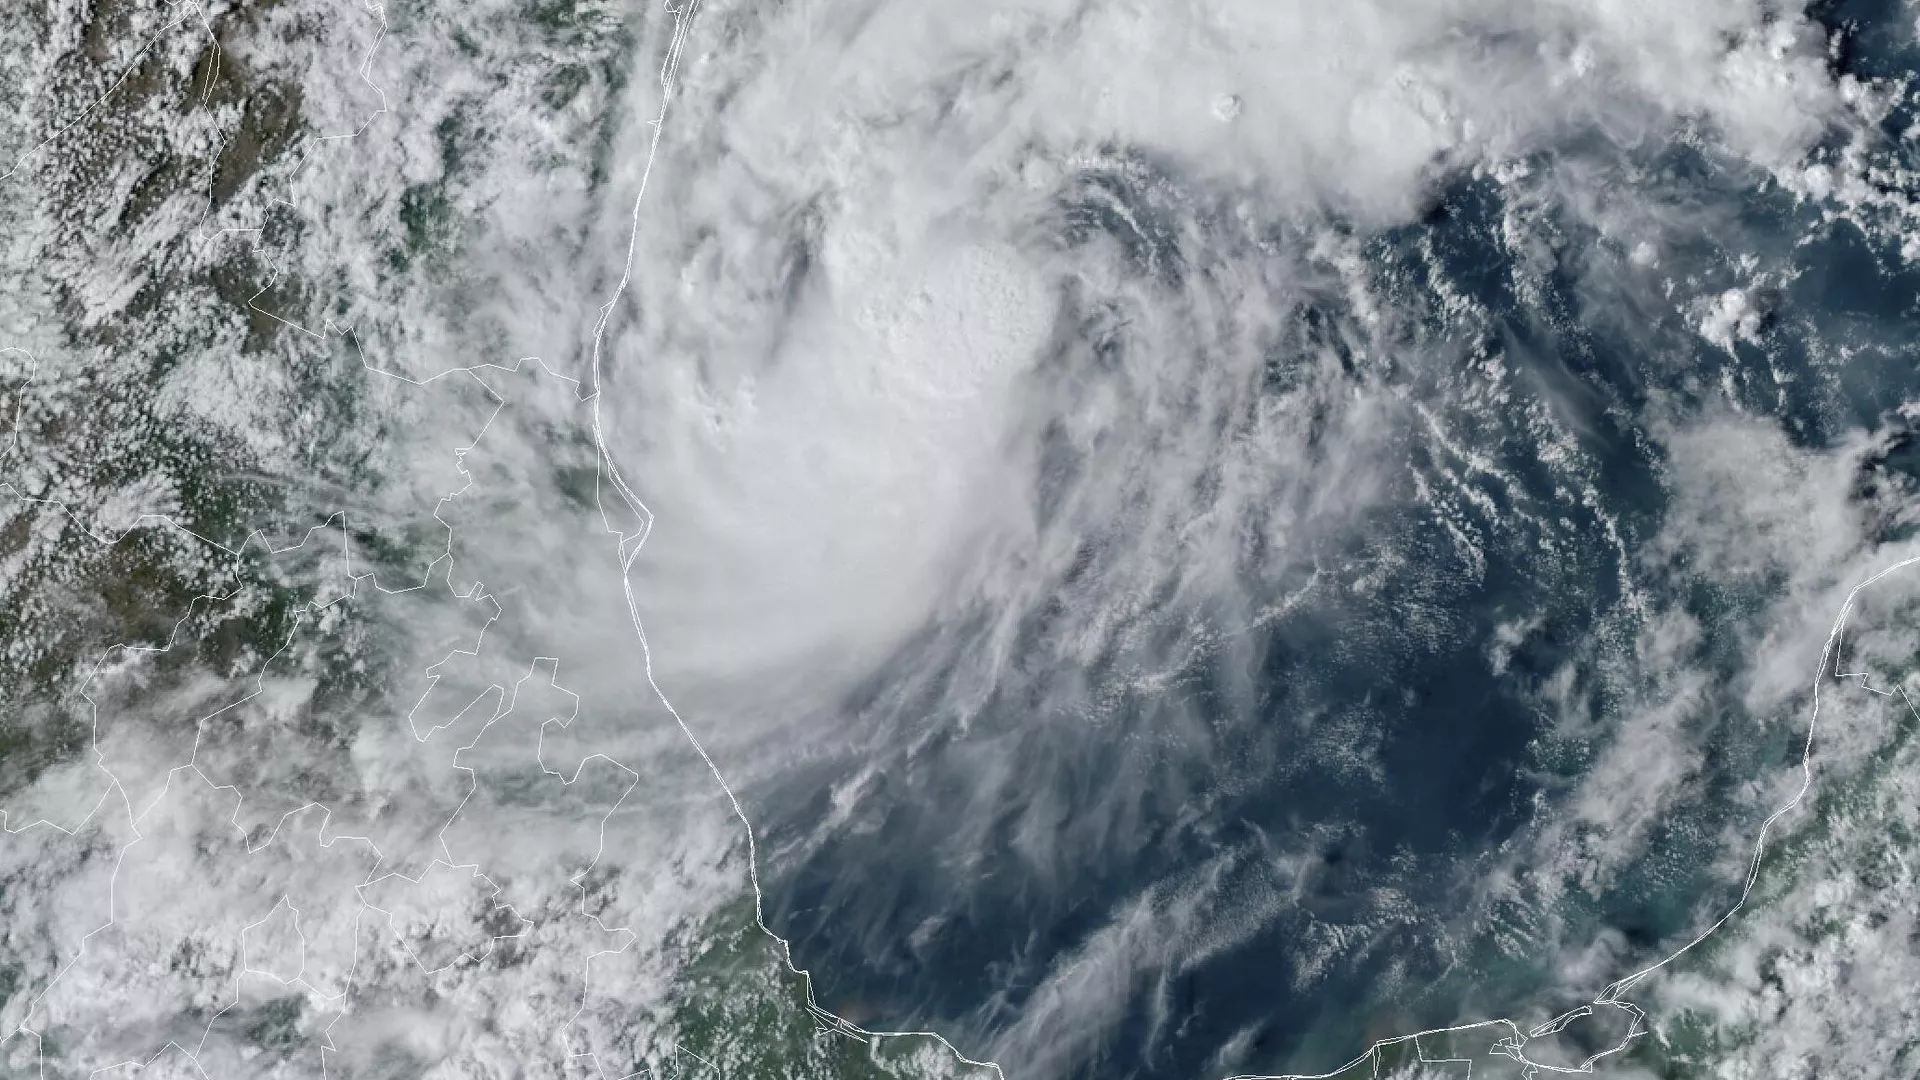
(966, 317)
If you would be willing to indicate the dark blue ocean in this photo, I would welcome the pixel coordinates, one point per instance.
(1356, 761)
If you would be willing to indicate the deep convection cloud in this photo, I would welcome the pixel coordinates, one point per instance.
(1207, 539)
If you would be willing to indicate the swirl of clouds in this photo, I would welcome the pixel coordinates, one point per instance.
(1070, 425)
(1203, 535)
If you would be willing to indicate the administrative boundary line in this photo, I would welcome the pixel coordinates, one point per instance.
(437, 570)
(629, 545)
(185, 9)
(135, 816)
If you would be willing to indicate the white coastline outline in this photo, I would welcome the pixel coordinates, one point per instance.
(1513, 1045)
(629, 545)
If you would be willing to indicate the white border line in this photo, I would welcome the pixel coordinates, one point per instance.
(1513, 1045)
(630, 543)
(629, 546)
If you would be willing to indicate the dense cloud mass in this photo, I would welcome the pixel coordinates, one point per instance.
(1202, 536)
(893, 230)
(1057, 416)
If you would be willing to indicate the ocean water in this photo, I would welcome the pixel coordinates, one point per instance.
(1286, 841)
(1147, 540)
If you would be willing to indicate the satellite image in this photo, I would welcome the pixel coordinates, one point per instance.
(987, 539)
